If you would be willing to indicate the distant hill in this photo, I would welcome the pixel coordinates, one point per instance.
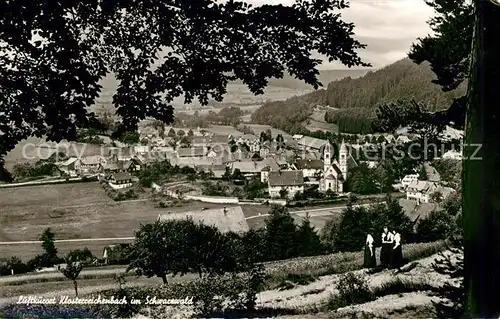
(288, 85)
(355, 100)
(325, 77)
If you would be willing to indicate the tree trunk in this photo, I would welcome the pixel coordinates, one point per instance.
(75, 284)
(164, 278)
(481, 170)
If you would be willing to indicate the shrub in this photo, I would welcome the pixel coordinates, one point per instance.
(353, 289)
(15, 264)
(437, 226)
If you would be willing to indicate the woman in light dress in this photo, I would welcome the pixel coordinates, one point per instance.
(369, 260)
(397, 252)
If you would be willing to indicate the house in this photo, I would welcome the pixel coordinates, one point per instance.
(408, 179)
(69, 166)
(248, 167)
(217, 170)
(120, 180)
(210, 141)
(192, 152)
(311, 168)
(420, 191)
(226, 219)
(90, 164)
(270, 166)
(453, 155)
(402, 139)
(389, 138)
(310, 143)
(254, 146)
(142, 149)
(289, 181)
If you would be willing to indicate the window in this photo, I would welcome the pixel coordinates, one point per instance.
(329, 185)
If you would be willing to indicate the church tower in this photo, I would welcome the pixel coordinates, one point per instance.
(327, 156)
(343, 153)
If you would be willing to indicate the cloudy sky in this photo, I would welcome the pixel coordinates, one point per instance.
(388, 27)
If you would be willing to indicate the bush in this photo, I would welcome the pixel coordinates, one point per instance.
(353, 289)
(437, 226)
(15, 264)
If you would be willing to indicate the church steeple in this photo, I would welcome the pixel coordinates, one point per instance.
(327, 155)
(343, 153)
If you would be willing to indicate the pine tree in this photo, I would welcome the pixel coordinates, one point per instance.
(280, 237)
(308, 240)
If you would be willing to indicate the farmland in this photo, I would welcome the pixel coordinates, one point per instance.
(80, 210)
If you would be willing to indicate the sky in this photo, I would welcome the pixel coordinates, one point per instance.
(387, 27)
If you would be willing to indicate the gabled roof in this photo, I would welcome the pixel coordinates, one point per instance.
(92, 160)
(309, 164)
(311, 142)
(68, 162)
(421, 186)
(286, 178)
(121, 176)
(193, 151)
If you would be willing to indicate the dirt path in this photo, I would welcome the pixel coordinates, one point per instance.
(318, 291)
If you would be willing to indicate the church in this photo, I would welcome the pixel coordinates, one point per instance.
(335, 169)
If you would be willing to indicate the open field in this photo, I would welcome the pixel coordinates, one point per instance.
(79, 210)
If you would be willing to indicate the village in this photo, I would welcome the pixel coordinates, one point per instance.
(285, 166)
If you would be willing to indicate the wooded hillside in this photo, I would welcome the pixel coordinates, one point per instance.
(402, 79)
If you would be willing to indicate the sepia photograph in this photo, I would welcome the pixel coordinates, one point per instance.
(291, 159)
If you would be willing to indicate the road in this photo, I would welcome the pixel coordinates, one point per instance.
(302, 213)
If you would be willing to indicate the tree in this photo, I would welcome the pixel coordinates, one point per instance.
(308, 240)
(85, 255)
(158, 249)
(422, 173)
(181, 133)
(48, 244)
(352, 229)
(280, 234)
(171, 133)
(72, 270)
(437, 197)
(284, 193)
(437, 226)
(130, 138)
(102, 37)
(190, 134)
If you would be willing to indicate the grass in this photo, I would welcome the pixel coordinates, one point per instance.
(339, 263)
(398, 286)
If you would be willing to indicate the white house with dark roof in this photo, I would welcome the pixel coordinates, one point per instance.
(420, 191)
(310, 167)
(290, 180)
(69, 166)
(90, 164)
(120, 180)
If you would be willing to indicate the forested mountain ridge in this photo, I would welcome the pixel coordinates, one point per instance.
(358, 98)
(402, 79)
(325, 77)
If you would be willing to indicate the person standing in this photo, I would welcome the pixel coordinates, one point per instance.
(369, 260)
(397, 252)
(386, 250)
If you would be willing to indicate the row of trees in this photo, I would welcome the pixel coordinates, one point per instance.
(183, 246)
